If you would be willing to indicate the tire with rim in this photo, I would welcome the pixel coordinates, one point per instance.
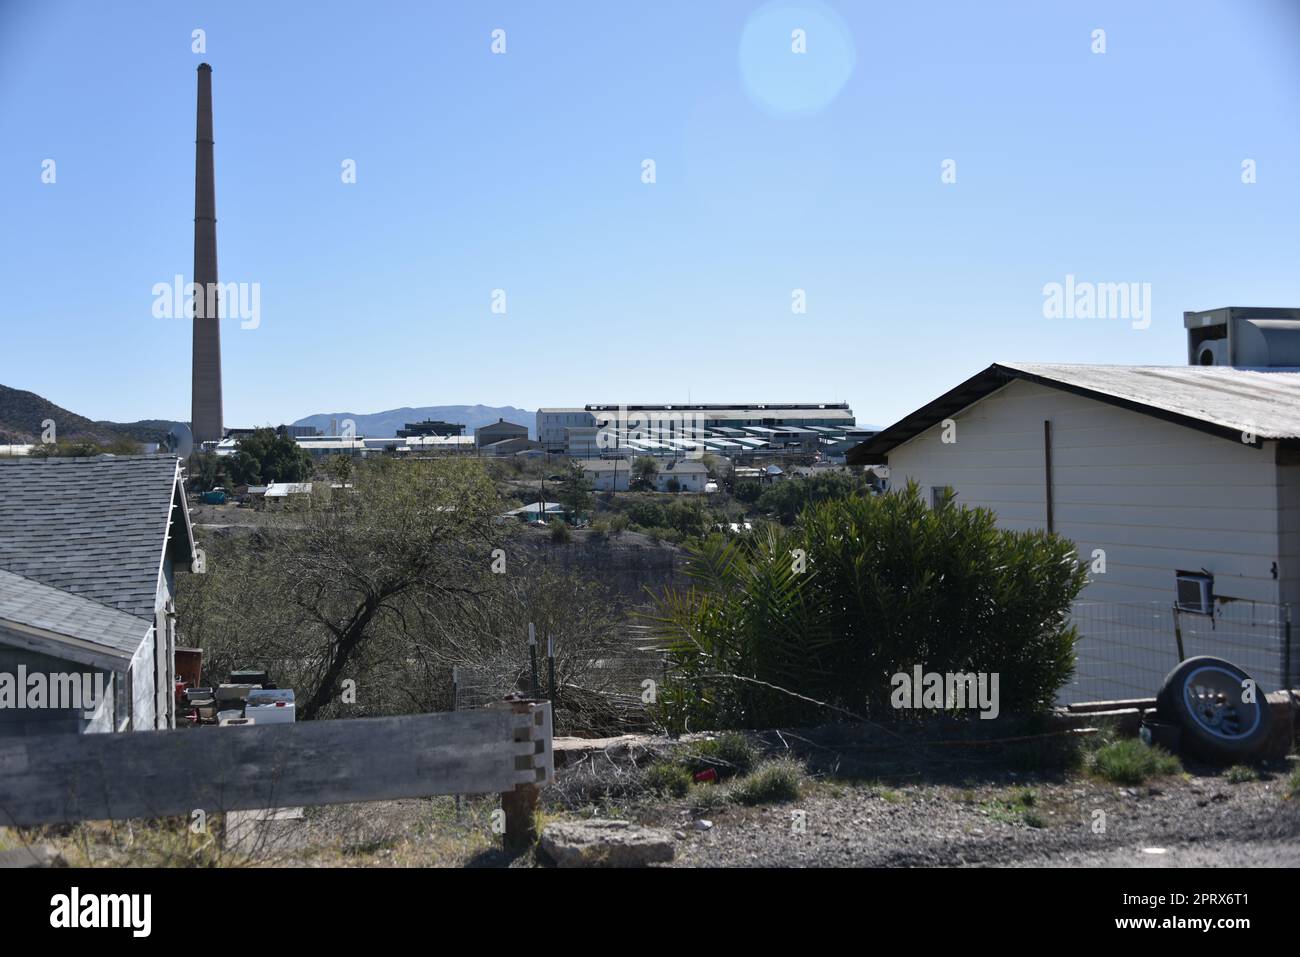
(1204, 695)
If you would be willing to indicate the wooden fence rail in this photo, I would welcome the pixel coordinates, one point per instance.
(52, 779)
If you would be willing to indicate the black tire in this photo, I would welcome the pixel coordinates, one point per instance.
(1203, 694)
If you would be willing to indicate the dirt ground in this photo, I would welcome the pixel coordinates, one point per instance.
(866, 806)
(1174, 822)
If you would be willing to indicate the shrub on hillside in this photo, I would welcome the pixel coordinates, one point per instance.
(884, 583)
(787, 499)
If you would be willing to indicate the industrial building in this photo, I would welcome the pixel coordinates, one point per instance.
(502, 438)
(431, 427)
(739, 430)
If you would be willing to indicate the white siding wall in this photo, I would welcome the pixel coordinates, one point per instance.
(1156, 497)
(1289, 525)
(610, 480)
(1289, 563)
(144, 683)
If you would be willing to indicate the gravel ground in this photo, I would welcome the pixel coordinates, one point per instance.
(1181, 821)
(870, 801)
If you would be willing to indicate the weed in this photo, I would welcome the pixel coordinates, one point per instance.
(772, 782)
(730, 754)
(1129, 761)
(1240, 774)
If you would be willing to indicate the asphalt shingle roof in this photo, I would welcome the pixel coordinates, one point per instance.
(27, 602)
(95, 527)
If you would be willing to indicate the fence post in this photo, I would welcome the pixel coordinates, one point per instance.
(550, 668)
(455, 703)
(1178, 635)
(520, 803)
(1287, 678)
(532, 654)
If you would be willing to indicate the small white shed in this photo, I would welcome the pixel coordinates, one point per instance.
(1160, 475)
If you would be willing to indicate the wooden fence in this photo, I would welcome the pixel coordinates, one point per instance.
(505, 749)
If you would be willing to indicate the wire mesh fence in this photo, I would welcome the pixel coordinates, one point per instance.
(605, 695)
(1126, 649)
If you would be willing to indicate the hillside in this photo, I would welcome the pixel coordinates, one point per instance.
(21, 415)
(387, 423)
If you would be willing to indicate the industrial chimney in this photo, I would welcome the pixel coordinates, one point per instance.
(205, 393)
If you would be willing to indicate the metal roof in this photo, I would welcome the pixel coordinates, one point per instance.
(282, 489)
(1218, 400)
(96, 527)
(67, 625)
(549, 508)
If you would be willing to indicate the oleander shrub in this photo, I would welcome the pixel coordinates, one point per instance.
(800, 624)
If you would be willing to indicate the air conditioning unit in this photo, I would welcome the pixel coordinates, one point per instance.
(1196, 593)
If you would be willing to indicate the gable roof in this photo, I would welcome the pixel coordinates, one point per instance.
(67, 626)
(685, 465)
(95, 527)
(606, 465)
(1217, 400)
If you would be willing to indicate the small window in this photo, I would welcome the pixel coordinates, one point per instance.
(1196, 592)
(941, 495)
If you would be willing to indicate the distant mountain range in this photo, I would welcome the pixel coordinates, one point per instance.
(22, 415)
(384, 424)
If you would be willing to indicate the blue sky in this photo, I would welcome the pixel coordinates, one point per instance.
(774, 171)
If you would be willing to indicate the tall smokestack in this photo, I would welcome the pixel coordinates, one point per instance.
(205, 394)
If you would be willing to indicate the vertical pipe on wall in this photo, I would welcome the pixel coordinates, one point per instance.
(1047, 461)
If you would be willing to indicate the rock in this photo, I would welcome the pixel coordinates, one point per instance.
(32, 855)
(703, 825)
(604, 843)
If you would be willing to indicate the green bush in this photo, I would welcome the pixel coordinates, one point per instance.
(730, 754)
(665, 777)
(646, 514)
(1241, 774)
(772, 782)
(788, 498)
(559, 531)
(1129, 761)
(1293, 784)
(887, 582)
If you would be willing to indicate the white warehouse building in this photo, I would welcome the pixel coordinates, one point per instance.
(672, 430)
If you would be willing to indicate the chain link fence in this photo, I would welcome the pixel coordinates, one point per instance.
(1126, 649)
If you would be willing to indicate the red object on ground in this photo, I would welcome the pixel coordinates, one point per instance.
(707, 775)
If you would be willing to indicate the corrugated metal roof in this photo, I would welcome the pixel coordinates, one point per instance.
(1265, 403)
(282, 489)
(1234, 404)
